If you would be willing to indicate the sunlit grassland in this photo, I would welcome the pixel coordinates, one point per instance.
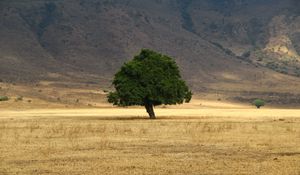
(133, 145)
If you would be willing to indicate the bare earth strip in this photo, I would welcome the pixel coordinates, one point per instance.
(123, 141)
(161, 113)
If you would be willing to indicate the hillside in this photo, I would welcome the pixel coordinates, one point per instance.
(221, 46)
(262, 32)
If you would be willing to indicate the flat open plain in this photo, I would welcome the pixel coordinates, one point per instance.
(229, 140)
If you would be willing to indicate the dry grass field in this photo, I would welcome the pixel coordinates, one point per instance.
(219, 140)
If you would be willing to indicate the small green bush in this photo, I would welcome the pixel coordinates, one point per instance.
(259, 103)
(4, 98)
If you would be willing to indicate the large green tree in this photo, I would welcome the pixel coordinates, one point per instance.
(150, 79)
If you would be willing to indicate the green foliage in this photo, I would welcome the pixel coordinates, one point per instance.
(150, 78)
(259, 103)
(114, 98)
(4, 98)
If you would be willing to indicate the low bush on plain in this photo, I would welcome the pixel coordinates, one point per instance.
(4, 98)
(259, 103)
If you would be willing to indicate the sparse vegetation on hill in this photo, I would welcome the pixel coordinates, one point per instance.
(194, 32)
(82, 41)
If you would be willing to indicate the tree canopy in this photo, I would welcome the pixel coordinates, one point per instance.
(150, 79)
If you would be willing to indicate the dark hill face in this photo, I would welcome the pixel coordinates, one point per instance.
(216, 43)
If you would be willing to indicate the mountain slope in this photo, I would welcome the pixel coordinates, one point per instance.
(83, 39)
(263, 32)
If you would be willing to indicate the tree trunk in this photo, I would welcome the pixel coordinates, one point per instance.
(150, 110)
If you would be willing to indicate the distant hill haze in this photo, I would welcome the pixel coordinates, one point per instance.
(219, 44)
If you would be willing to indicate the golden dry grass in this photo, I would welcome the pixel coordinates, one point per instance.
(123, 141)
